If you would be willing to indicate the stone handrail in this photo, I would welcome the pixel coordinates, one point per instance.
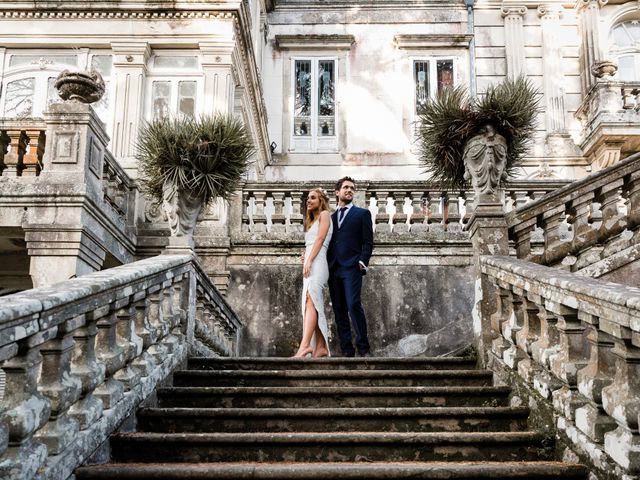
(81, 355)
(21, 147)
(579, 216)
(575, 340)
(414, 208)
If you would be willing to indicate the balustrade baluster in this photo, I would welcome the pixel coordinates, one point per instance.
(499, 344)
(521, 198)
(632, 200)
(613, 222)
(571, 358)
(110, 353)
(513, 354)
(555, 248)
(469, 207)
(171, 341)
(529, 334)
(131, 345)
(246, 207)
(91, 373)
(584, 235)
(13, 156)
(418, 217)
(5, 144)
(277, 218)
(382, 217)
(158, 349)
(259, 216)
(399, 218)
(547, 345)
(452, 212)
(144, 363)
(598, 374)
(434, 212)
(296, 219)
(523, 233)
(32, 157)
(25, 409)
(60, 387)
(621, 399)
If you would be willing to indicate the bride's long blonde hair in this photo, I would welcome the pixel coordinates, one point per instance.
(310, 216)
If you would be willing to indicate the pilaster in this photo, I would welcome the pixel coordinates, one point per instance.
(219, 85)
(552, 68)
(591, 50)
(513, 16)
(130, 72)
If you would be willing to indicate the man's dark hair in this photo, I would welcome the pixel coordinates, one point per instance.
(342, 180)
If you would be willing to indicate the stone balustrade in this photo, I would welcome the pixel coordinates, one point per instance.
(631, 96)
(583, 223)
(22, 145)
(398, 208)
(81, 355)
(575, 340)
(118, 188)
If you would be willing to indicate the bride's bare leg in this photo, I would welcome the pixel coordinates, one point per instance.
(309, 325)
(321, 346)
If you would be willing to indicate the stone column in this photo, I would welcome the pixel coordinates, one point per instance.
(514, 39)
(217, 61)
(588, 12)
(489, 236)
(130, 71)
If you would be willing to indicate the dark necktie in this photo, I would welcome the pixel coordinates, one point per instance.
(341, 215)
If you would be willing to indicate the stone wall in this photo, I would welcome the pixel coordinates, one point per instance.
(412, 309)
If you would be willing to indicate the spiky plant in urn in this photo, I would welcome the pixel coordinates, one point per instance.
(186, 163)
(479, 140)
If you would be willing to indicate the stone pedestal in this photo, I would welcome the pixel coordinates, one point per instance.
(488, 229)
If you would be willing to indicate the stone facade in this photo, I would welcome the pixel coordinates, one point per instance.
(326, 89)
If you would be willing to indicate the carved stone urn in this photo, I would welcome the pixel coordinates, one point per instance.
(485, 158)
(83, 87)
(182, 207)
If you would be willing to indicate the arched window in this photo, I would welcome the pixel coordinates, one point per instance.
(625, 47)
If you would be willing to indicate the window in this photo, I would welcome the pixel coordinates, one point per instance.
(625, 47)
(175, 83)
(431, 76)
(29, 82)
(314, 105)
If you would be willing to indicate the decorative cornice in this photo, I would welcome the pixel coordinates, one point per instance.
(513, 11)
(306, 42)
(422, 41)
(24, 14)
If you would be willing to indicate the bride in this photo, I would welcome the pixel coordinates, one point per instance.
(318, 230)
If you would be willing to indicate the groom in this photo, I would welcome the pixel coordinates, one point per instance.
(348, 257)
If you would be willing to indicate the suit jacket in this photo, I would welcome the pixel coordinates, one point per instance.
(353, 241)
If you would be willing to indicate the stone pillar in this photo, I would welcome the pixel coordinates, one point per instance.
(489, 236)
(588, 12)
(217, 61)
(514, 39)
(130, 71)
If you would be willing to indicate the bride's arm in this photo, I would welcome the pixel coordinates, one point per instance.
(323, 228)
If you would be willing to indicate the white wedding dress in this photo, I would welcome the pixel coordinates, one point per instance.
(316, 281)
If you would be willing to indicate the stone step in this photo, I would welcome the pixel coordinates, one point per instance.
(326, 447)
(343, 471)
(335, 363)
(465, 419)
(331, 397)
(325, 378)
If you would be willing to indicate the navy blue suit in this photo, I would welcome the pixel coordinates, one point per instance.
(350, 244)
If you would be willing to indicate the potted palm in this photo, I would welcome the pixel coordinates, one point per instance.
(478, 140)
(185, 163)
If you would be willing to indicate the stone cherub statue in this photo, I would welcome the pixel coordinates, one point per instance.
(485, 159)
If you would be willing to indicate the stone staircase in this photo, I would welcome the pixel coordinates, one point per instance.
(270, 418)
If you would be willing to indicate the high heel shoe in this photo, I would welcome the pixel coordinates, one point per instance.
(303, 352)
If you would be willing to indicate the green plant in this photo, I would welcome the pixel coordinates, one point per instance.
(447, 122)
(206, 156)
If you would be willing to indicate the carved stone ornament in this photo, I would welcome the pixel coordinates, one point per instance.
(182, 208)
(83, 87)
(604, 69)
(485, 159)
